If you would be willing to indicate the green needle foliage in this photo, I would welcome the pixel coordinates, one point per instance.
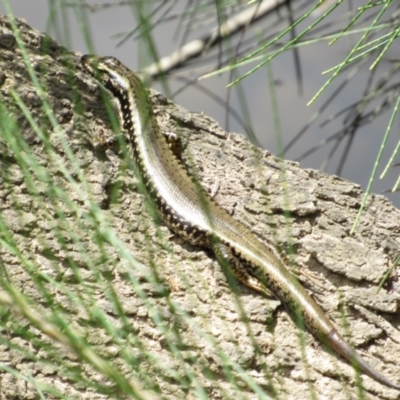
(96, 299)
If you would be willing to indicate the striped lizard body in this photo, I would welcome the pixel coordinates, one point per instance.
(185, 207)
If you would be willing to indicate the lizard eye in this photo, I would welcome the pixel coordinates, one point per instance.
(110, 61)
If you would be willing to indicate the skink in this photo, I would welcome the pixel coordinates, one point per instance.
(186, 208)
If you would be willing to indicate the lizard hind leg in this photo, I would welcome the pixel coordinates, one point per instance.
(232, 266)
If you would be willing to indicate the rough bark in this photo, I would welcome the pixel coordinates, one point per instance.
(182, 329)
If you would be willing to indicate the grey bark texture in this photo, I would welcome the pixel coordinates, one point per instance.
(78, 240)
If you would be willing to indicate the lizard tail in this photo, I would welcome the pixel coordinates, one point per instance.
(337, 343)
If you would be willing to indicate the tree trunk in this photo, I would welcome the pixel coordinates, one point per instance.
(78, 241)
